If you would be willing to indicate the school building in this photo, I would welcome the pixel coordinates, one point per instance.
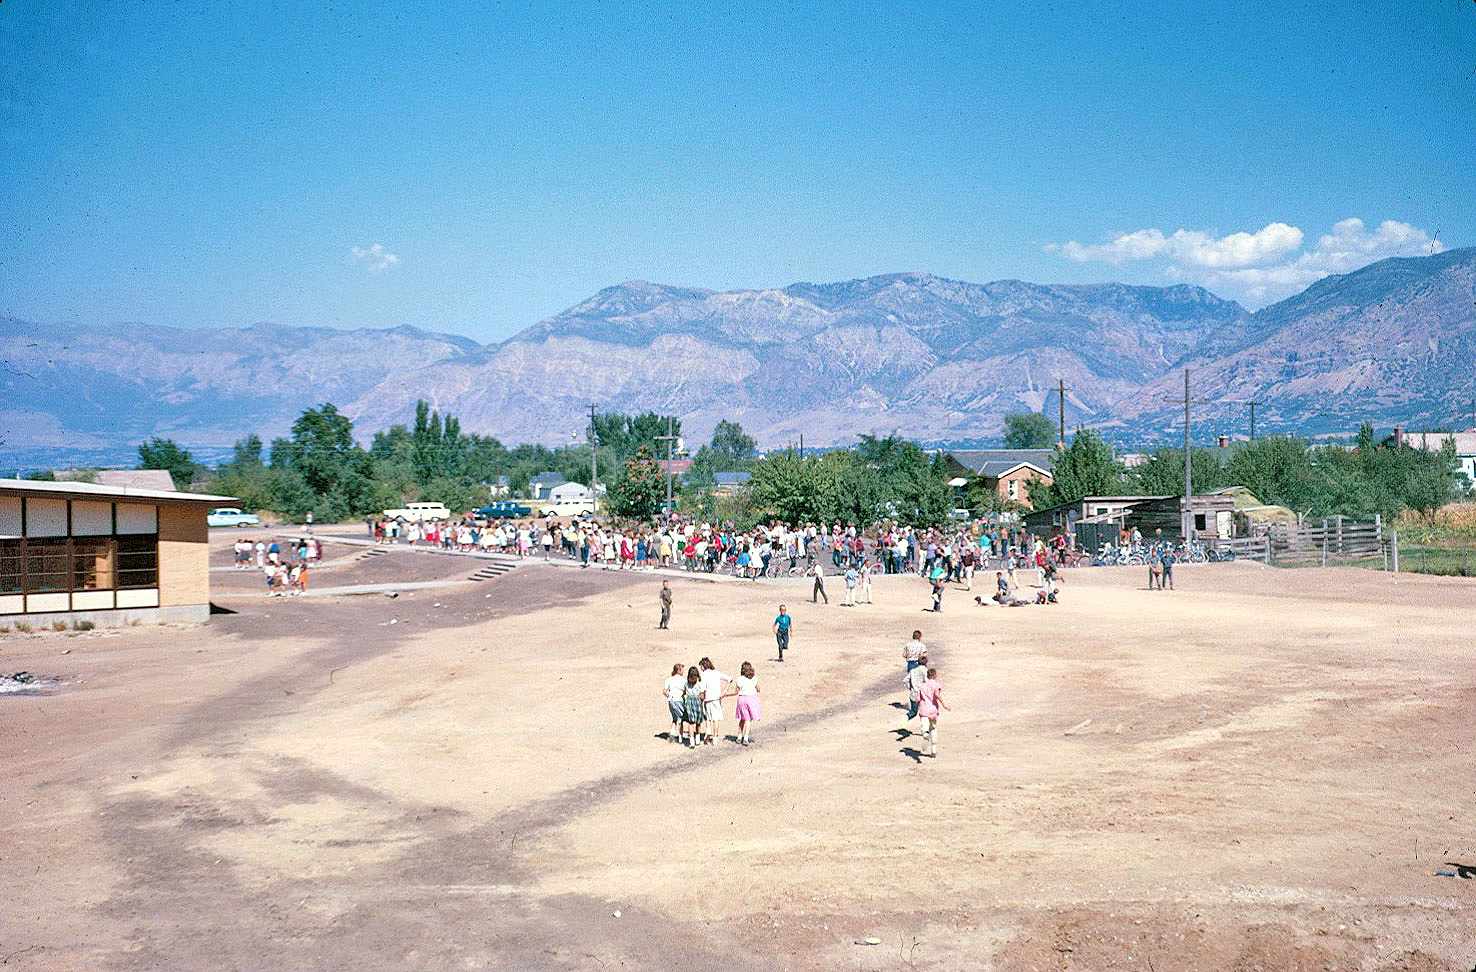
(106, 554)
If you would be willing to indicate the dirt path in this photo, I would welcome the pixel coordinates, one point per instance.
(1273, 770)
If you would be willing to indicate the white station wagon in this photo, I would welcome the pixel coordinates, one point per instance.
(417, 512)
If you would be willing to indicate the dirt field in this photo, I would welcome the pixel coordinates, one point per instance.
(1276, 766)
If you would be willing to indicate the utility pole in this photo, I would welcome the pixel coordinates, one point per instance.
(1253, 420)
(1187, 512)
(802, 445)
(1188, 523)
(1061, 392)
(670, 439)
(594, 449)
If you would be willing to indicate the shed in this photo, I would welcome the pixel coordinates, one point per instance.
(540, 485)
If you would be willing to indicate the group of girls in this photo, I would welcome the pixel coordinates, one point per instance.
(694, 701)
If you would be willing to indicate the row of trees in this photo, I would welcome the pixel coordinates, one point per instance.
(319, 468)
(1324, 480)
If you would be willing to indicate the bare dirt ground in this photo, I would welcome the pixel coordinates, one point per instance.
(1277, 765)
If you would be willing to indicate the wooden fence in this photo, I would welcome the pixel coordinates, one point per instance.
(1311, 541)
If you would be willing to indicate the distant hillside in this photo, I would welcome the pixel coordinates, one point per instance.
(1393, 343)
(70, 387)
(931, 357)
(934, 359)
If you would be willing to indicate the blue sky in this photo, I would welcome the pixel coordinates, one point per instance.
(475, 168)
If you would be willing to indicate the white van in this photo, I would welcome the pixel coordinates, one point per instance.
(418, 512)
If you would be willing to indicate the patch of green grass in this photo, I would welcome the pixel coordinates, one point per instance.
(1448, 559)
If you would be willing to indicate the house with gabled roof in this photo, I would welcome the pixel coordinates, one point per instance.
(1009, 473)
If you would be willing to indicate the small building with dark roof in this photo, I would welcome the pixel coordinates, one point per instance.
(106, 554)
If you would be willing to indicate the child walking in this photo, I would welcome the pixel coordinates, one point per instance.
(749, 711)
(673, 689)
(929, 702)
(692, 709)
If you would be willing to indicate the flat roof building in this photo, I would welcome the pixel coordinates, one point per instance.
(106, 554)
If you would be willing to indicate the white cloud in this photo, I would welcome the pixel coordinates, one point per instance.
(376, 258)
(1142, 245)
(1263, 266)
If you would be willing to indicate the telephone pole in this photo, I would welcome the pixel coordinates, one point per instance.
(1188, 523)
(594, 449)
(1253, 420)
(1061, 394)
(670, 439)
(1187, 513)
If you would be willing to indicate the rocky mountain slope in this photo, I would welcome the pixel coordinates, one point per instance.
(931, 357)
(1392, 343)
(935, 359)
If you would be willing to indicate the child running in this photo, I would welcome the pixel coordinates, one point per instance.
(916, 676)
(749, 711)
(929, 702)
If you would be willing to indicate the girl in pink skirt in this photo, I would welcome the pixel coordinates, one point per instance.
(929, 702)
(749, 711)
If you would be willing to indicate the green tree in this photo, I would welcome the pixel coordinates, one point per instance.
(1029, 430)
(731, 444)
(787, 487)
(160, 453)
(1085, 468)
(623, 435)
(1163, 473)
(639, 488)
(247, 452)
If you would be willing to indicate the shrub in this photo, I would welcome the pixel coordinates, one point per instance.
(58, 626)
(23, 627)
(83, 626)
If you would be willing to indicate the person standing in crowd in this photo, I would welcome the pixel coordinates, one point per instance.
(674, 688)
(852, 578)
(929, 703)
(863, 591)
(748, 710)
(818, 591)
(1166, 557)
(781, 630)
(665, 604)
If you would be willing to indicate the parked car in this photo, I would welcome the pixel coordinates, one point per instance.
(229, 516)
(416, 512)
(581, 508)
(503, 510)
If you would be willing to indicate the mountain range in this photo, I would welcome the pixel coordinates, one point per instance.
(933, 359)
